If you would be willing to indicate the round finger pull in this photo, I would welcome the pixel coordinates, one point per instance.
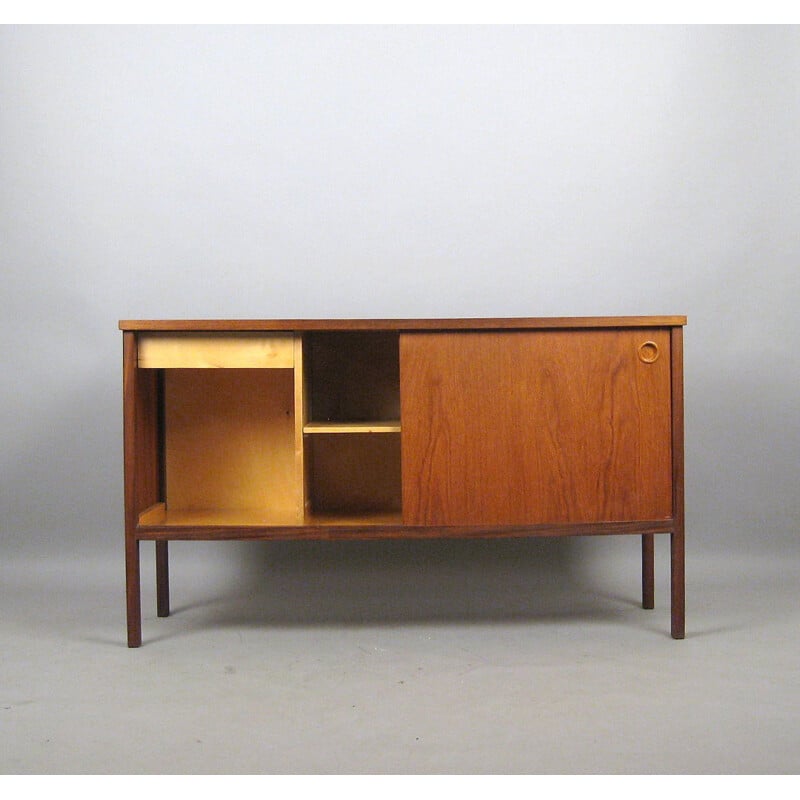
(648, 352)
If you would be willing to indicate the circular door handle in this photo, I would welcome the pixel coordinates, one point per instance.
(648, 352)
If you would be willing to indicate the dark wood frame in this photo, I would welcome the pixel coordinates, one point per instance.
(144, 468)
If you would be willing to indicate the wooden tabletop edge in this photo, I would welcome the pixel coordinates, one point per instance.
(482, 323)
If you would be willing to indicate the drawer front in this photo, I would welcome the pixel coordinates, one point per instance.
(216, 350)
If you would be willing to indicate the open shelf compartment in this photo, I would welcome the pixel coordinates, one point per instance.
(352, 377)
(352, 430)
(315, 442)
(229, 445)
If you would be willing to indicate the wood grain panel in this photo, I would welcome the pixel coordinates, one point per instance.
(538, 427)
(230, 440)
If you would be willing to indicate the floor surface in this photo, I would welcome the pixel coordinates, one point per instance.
(512, 657)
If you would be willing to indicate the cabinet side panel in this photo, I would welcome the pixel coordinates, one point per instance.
(143, 472)
(677, 427)
(535, 427)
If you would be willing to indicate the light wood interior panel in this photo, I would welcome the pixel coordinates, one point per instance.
(230, 440)
(213, 350)
(301, 464)
(566, 426)
(159, 515)
(389, 426)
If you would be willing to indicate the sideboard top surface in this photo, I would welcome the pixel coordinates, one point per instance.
(502, 323)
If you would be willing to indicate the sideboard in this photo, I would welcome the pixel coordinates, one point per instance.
(343, 429)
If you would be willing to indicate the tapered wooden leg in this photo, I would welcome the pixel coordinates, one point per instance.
(648, 570)
(678, 583)
(162, 579)
(133, 592)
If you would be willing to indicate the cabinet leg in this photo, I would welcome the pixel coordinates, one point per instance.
(162, 579)
(678, 584)
(648, 570)
(133, 592)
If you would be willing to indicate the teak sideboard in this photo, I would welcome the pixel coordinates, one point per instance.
(348, 429)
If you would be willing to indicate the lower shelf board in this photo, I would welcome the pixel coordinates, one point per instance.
(158, 516)
(158, 522)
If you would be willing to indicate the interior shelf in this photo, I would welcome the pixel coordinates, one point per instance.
(390, 426)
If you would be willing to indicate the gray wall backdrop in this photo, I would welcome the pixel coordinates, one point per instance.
(393, 171)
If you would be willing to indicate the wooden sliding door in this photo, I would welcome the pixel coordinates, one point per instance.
(536, 427)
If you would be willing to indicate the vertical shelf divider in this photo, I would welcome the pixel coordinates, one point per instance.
(300, 417)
